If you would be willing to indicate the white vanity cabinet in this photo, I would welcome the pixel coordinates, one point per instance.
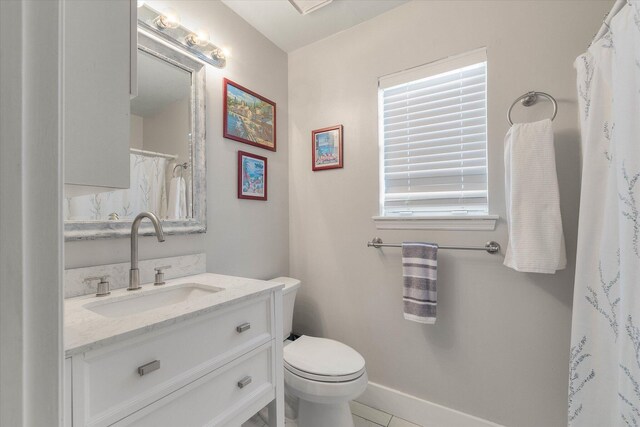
(215, 369)
(99, 77)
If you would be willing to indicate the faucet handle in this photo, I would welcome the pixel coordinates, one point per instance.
(103, 284)
(159, 280)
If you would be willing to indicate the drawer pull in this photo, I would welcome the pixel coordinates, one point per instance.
(149, 367)
(243, 327)
(244, 382)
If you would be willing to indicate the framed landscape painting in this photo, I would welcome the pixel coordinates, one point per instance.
(327, 148)
(249, 117)
(252, 176)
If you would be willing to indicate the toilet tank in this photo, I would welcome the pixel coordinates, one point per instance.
(288, 300)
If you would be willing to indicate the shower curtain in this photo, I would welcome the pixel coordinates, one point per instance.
(147, 193)
(604, 382)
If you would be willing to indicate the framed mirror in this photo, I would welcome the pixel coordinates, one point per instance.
(167, 154)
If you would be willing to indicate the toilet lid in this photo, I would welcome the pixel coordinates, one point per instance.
(322, 356)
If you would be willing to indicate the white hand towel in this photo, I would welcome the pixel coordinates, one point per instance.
(536, 241)
(177, 207)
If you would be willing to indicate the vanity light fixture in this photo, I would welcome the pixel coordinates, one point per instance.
(166, 25)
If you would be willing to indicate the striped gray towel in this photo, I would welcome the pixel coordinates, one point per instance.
(420, 271)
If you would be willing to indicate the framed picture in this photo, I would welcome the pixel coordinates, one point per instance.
(252, 176)
(326, 147)
(249, 117)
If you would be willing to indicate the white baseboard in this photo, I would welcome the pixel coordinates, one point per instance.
(419, 411)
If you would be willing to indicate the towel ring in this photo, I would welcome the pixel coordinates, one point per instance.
(530, 98)
(182, 167)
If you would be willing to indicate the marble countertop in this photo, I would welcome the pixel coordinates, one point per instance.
(86, 330)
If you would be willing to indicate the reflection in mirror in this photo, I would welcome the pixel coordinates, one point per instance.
(160, 151)
(167, 143)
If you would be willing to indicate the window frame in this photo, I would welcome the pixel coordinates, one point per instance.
(450, 221)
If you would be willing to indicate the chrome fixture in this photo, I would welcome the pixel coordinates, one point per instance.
(166, 25)
(530, 98)
(103, 285)
(199, 38)
(244, 382)
(134, 273)
(491, 247)
(218, 54)
(148, 368)
(243, 327)
(182, 166)
(153, 154)
(168, 19)
(159, 280)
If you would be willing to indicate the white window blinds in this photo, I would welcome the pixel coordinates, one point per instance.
(433, 129)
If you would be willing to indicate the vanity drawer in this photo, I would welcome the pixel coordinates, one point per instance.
(214, 399)
(115, 385)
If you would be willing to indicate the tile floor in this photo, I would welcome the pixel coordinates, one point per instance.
(363, 416)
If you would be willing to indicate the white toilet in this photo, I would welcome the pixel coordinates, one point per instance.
(323, 374)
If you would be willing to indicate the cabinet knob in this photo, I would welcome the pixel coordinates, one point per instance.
(149, 367)
(243, 327)
(244, 382)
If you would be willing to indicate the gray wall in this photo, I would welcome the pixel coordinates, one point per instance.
(244, 237)
(500, 347)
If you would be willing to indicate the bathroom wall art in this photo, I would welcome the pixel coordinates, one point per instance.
(326, 148)
(249, 117)
(252, 176)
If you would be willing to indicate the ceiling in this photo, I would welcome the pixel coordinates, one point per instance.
(281, 23)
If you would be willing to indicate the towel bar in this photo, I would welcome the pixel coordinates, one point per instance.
(491, 247)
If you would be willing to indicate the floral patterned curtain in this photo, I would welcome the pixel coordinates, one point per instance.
(147, 193)
(604, 383)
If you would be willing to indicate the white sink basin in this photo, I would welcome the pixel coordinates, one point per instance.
(141, 301)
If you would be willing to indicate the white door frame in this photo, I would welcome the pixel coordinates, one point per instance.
(31, 251)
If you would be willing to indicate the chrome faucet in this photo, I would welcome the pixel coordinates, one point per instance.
(134, 273)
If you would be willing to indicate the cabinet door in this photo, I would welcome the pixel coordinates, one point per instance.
(98, 39)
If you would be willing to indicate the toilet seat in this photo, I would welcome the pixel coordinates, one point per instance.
(323, 360)
(323, 378)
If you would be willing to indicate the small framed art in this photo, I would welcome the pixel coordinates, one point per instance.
(326, 148)
(252, 176)
(248, 117)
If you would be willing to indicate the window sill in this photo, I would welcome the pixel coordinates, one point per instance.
(473, 223)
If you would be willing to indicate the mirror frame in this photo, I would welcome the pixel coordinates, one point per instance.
(90, 230)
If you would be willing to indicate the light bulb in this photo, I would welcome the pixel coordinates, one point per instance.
(168, 19)
(217, 54)
(202, 36)
(199, 38)
(226, 51)
(173, 19)
(141, 3)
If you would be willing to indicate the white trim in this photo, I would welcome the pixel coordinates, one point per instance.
(31, 245)
(434, 68)
(472, 223)
(417, 410)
